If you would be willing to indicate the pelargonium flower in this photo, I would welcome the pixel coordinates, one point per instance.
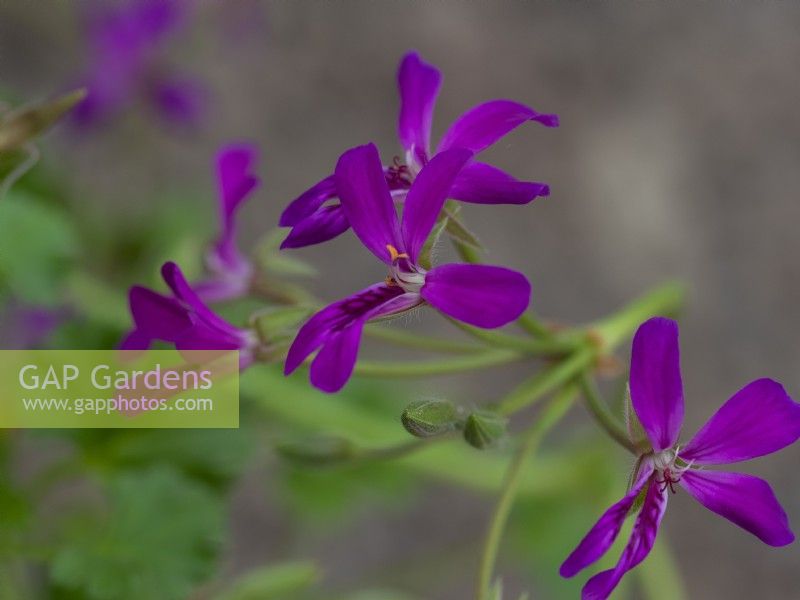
(125, 44)
(759, 419)
(313, 221)
(184, 320)
(481, 295)
(230, 271)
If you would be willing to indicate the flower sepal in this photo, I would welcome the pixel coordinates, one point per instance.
(484, 429)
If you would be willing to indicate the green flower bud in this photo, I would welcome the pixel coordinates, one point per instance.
(427, 418)
(484, 428)
(22, 125)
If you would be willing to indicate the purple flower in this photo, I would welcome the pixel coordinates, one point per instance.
(313, 221)
(481, 295)
(125, 47)
(759, 419)
(230, 271)
(184, 320)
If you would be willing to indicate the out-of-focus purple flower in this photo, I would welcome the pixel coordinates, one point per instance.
(184, 320)
(125, 44)
(313, 221)
(481, 295)
(230, 271)
(759, 419)
(29, 326)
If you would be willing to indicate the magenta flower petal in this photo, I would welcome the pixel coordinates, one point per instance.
(135, 340)
(419, 84)
(483, 125)
(156, 316)
(335, 317)
(307, 203)
(180, 100)
(480, 183)
(481, 295)
(235, 163)
(334, 363)
(175, 279)
(745, 500)
(367, 201)
(427, 196)
(655, 380)
(606, 530)
(759, 419)
(325, 224)
(639, 545)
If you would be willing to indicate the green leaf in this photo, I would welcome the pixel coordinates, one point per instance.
(38, 246)
(274, 582)
(157, 539)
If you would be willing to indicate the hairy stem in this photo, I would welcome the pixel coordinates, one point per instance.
(551, 415)
(513, 342)
(401, 337)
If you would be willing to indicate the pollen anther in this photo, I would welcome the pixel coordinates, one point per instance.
(394, 254)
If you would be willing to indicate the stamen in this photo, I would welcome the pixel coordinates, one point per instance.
(394, 254)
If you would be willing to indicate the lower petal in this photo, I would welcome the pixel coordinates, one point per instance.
(606, 530)
(480, 183)
(639, 545)
(334, 363)
(325, 224)
(481, 295)
(745, 500)
(308, 202)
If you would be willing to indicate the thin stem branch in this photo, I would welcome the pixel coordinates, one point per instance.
(551, 415)
(408, 339)
(602, 416)
(513, 342)
(482, 360)
(530, 323)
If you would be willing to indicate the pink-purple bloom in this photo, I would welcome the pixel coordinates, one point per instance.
(125, 44)
(183, 320)
(481, 295)
(313, 220)
(230, 272)
(759, 419)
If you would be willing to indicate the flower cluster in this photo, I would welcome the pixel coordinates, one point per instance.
(397, 209)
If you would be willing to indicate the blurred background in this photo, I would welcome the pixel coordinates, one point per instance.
(676, 158)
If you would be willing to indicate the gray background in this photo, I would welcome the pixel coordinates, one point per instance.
(676, 158)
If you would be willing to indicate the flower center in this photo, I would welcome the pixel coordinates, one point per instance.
(399, 174)
(666, 463)
(409, 277)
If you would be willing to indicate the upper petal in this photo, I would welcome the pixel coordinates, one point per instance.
(606, 530)
(481, 295)
(419, 84)
(759, 419)
(325, 224)
(655, 380)
(156, 316)
(235, 181)
(480, 183)
(486, 123)
(745, 500)
(308, 202)
(367, 201)
(643, 536)
(175, 279)
(427, 196)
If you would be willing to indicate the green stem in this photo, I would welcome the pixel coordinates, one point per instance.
(513, 342)
(546, 381)
(603, 416)
(551, 415)
(483, 360)
(408, 339)
(534, 326)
